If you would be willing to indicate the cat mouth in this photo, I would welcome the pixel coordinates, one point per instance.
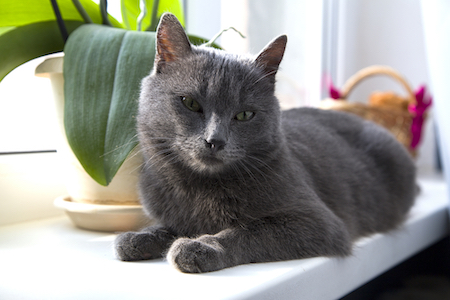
(211, 160)
(209, 163)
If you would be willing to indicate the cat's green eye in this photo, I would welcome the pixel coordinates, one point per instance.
(191, 104)
(244, 115)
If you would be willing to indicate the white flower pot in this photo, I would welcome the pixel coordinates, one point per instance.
(82, 189)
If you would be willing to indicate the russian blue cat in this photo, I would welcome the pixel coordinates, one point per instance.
(233, 180)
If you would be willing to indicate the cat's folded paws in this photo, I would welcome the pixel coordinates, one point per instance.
(132, 246)
(197, 255)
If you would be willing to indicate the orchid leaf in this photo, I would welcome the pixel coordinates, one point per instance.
(30, 41)
(101, 93)
(28, 29)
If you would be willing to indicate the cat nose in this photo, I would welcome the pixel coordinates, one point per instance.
(215, 144)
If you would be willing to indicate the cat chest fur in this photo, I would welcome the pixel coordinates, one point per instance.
(198, 205)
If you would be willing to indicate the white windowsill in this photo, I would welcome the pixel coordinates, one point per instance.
(51, 259)
(28, 185)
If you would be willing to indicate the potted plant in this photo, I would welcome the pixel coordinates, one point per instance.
(104, 62)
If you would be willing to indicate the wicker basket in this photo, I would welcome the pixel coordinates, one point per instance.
(384, 108)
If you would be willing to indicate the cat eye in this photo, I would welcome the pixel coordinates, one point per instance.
(191, 104)
(244, 116)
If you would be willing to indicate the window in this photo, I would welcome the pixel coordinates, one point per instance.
(338, 37)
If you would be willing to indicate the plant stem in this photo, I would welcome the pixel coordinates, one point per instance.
(214, 38)
(59, 20)
(140, 19)
(154, 22)
(104, 12)
(82, 11)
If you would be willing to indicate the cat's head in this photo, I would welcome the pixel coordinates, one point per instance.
(206, 109)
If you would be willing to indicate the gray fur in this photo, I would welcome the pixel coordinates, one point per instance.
(280, 186)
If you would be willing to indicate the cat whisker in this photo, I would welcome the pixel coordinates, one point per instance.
(160, 154)
(258, 183)
(260, 162)
(164, 150)
(238, 172)
(173, 157)
(117, 148)
(139, 167)
(159, 138)
(145, 148)
(131, 157)
(264, 165)
(136, 151)
(248, 171)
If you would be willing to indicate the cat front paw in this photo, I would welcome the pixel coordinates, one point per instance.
(132, 246)
(197, 255)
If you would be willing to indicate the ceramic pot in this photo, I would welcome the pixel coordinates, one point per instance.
(82, 189)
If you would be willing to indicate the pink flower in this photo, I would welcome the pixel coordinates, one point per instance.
(423, 101)
(334, 91)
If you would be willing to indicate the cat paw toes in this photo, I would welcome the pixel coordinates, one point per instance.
(195, 256)
(132, 246)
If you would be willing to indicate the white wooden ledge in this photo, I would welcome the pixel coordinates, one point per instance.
(51, 259)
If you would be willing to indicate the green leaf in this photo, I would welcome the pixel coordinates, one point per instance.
(130, 12)
(28, 29)
(24, 12)
(101, 94)
(135, 61)
(30, 41)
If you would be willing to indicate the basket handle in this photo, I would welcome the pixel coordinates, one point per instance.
(372, 71)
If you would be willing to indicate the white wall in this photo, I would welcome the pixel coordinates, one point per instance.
(202, 17)
(381, 32)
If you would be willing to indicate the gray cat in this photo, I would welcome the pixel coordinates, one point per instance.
(232, 180)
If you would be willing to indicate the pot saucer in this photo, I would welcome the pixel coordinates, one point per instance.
(109, 218)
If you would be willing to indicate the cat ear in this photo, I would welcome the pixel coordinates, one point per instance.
(270, 57)
(172, 42)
